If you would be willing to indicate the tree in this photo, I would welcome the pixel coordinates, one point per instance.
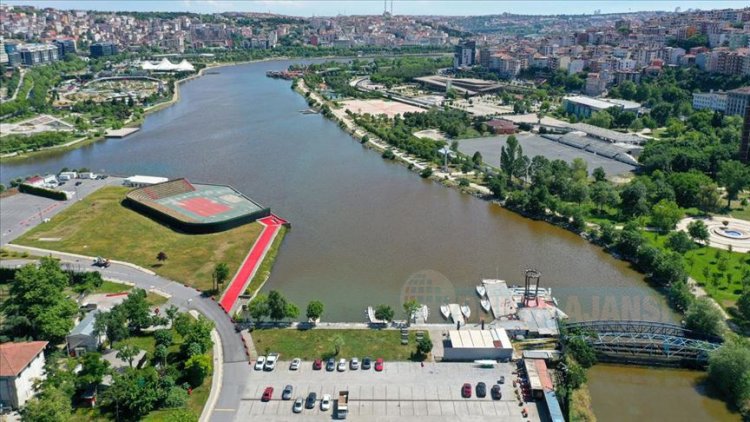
(197, 369)
(698, 231)
(735, 177)
(679, 242)
(411, 307)
(52, 405)
(37, 305)
(220, 274)
(338, 343)
(477, 158)
(633, 198)
(258, 307)
(680, 296)
(314, 310)
(163, 337)
(424, 346)
(601, 119)
(89, 282)
(510, 157)
(703, 317)
(127, 353)
(292, 311)
(161, 353)
(278, 307)
(729, 371)
(582, 352)
(134, 392)
(161, 256)
(599, 174)
(172, 312)
(196, 336)
(603, 194)
(665, 215)
(93, 370)
(112, 324)
(137, 310)
(384, 313)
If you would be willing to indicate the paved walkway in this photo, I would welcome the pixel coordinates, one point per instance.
(252, 261)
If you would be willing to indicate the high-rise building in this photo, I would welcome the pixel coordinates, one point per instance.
(464, 54)
(103, 49)
(65, 46)
(738, 100)
(35, 54)
(745, 143)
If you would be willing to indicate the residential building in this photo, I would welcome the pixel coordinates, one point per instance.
(738, 100)
(21, 367)
(82, 338)
(716, 101)
(596, 84)
(464, 54)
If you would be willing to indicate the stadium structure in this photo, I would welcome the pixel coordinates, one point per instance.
(195, 208)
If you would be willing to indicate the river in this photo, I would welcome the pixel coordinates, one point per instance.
(364, 231)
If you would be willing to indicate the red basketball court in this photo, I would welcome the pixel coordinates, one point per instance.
(203, 206)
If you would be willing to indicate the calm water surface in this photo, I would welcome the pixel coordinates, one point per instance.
(364, 231)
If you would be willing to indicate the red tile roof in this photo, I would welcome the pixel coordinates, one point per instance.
(15, 357)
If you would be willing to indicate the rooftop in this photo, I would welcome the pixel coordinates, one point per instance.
(487, 339)
(86, 326)
(15, 357)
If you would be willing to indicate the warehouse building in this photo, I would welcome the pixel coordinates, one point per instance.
(468, 345)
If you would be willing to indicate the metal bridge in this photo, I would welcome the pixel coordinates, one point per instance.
(644, 341)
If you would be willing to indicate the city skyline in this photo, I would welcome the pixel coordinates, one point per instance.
(416, 7)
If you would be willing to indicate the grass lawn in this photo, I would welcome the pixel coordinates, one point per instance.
(724, 285)
(100, 225)
(318, 343)
(264, 270)
(738, 211)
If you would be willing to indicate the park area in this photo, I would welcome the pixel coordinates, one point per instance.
(321, 343)
(378, 107)
(100, 225)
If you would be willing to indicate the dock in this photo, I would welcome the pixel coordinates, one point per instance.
(500, 297)
(456, 314)
(121, 133)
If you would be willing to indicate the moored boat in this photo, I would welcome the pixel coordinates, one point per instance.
(481, 291)
(485, 303)
(466, 311)
(445, 311)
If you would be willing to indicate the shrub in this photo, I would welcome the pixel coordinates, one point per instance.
(427, 172)
(43, 192)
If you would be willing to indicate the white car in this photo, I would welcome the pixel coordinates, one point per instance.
(341, 366)
(260, 362)
(325, 402)
(297, 407)
(296, 362)
(354, 363)
(271, 362)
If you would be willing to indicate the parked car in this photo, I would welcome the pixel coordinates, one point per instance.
(267, 394)
(78, 183)
(466, 391)
(259, 362)
(311, 399)
(271, 362)
(330, 365)
(501, 380)
(354, 363)
(318, 364)
(297, 408)
(366, 363)
(325, 402)
(379, 364)
(342, 365)
(296, 362)
(496, 393)
(481, 389)
(287, 393)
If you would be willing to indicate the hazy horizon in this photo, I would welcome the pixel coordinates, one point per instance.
(373, 7)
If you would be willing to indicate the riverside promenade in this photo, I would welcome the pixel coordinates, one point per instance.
(271, 226)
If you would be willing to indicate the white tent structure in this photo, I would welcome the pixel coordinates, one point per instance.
(166, 66)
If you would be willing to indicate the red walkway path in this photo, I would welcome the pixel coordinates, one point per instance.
(252, 261)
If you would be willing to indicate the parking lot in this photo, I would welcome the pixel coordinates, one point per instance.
(403, 391)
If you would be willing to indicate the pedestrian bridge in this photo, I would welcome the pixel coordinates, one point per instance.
(644, 342)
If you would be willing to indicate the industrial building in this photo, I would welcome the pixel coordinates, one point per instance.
(468, 345)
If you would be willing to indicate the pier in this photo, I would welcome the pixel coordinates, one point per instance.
(456, 314)
(500, 297)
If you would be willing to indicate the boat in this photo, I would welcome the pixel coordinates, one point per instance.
(466, 311)
(486, 363)
(485, 304)
(445, 311)
(481, 291)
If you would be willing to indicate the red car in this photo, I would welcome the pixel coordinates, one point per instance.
(379, 364)
(267, 394)
(466, 391)
(318, 364)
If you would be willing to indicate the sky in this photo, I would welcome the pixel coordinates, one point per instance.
(369, 7)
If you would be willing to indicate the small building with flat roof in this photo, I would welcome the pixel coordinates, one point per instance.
(468, 345)
(583, 106)
(539, 379)
(83, 338)
(138, 181)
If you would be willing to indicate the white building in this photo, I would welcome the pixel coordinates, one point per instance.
(67, 175)
(716, 101)
(21, 366)
(87, 175)
(82, 338)
(141, 181)
(468, 345)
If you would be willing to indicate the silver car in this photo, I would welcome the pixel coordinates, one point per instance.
(354, 363)
(298, 403)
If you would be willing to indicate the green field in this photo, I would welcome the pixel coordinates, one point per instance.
(319, 343)
(100, 225)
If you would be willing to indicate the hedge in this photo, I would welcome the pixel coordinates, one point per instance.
(47, 193)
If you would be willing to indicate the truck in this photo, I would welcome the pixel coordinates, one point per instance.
(342, 405)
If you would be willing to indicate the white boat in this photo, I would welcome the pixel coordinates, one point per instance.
(486, 363)
(481, 291)
(466, 311)
(485, 304)
(445, 310)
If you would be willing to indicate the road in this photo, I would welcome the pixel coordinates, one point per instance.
(21, 212)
